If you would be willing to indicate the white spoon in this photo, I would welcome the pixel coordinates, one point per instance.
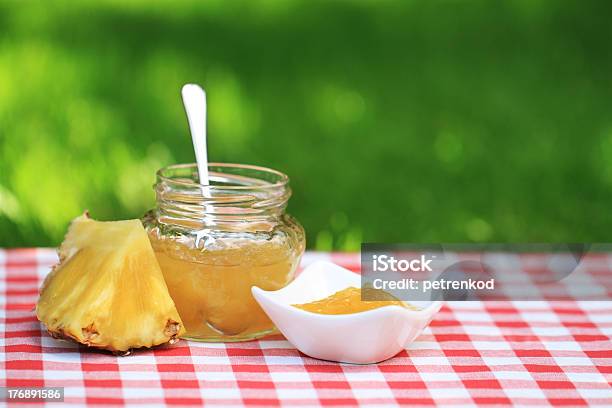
(194, 100)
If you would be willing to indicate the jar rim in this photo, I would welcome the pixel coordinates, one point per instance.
(282, 181)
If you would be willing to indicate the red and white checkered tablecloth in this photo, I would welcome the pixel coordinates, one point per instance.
(494, 353)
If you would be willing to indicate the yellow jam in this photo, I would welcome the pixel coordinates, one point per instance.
(212, 288)
(349, 301)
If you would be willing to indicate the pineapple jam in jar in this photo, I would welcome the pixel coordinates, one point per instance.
(214, 242)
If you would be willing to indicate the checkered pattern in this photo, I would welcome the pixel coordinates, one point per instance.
(494, 353)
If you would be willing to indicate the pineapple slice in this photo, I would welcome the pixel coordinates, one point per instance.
(108, 290)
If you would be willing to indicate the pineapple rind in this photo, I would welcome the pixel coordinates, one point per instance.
(108, 290)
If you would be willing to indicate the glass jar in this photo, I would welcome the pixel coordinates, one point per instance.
(215, 242)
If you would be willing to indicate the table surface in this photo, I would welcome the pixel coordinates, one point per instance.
(494, 353)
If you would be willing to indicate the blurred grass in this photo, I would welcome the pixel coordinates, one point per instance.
(426, 121)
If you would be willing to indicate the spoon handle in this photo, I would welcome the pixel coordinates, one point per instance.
(194, 100)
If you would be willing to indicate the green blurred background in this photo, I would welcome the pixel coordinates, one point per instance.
(414, 121)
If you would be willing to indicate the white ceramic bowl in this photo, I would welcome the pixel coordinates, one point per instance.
(359, 338)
